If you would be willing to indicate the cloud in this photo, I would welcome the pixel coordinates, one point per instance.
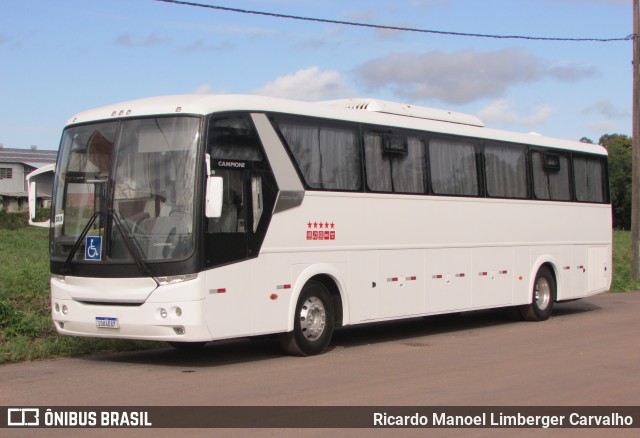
(606, 108)
(499, 111)
(306, 84)
(329, 38)
(201, 47)
(230, 29)
(368, 16)
(148, 41)
(462, 76)
(207, 89)
(203, 89)
(603, 126)
(571, 72)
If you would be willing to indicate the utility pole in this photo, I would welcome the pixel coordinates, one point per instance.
(635, 181)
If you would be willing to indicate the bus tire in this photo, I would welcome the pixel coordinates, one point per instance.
(313, 323)
(543, 297)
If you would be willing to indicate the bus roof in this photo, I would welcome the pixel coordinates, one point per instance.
(367, 111)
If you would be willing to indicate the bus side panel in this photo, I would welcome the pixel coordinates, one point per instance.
(599, 269)
(401, 283)
(364, 281)
(448, 280)
(492, 277)
(522, 275)
(564, 278)
(578, 272)
(240, 299)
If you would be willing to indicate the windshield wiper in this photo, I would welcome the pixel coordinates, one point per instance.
(131, 246)
(140, 263)
(76, 245)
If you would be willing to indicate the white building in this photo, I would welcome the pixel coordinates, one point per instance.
(15, 165)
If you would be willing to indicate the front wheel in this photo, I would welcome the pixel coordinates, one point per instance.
(544, 295)
(313, 322)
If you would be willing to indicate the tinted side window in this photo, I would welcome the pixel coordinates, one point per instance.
(395, 170)
(233, 138)
(453, 167)
(551, 176)
(328, 156)
(589, 177)
(506, 171)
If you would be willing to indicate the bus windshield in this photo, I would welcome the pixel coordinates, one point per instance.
(125, 191)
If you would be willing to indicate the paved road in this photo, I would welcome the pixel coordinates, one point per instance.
(587, 354)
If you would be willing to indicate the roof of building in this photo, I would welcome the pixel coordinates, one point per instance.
(31, 157)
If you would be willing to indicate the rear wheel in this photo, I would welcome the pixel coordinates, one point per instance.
(313, 322)
(544, 295)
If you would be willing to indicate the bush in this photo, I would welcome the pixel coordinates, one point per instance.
(13, 221)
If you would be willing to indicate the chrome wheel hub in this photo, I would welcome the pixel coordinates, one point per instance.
(313, 318)
(542, 293)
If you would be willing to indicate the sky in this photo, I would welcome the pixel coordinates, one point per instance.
(60, 57)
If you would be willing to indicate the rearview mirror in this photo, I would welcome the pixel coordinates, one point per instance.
(213, 207)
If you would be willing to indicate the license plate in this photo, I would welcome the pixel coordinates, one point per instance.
(107, 322)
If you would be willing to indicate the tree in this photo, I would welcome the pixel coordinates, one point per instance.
(620, 157)
(586, 140)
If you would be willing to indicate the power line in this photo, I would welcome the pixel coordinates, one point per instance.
(384, 27)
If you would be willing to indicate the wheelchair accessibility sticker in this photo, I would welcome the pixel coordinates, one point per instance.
(93, 248)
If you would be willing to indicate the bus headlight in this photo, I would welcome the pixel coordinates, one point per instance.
(173, 279)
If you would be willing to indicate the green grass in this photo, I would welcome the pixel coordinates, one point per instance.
(26, 330)
(622, 281)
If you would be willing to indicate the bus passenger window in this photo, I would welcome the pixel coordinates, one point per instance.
(551, 181)
(400, 170)
(327, 156)
(506, 171)
(589, 175)
(453, 167)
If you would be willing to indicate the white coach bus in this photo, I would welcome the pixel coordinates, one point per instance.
(195, 218)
